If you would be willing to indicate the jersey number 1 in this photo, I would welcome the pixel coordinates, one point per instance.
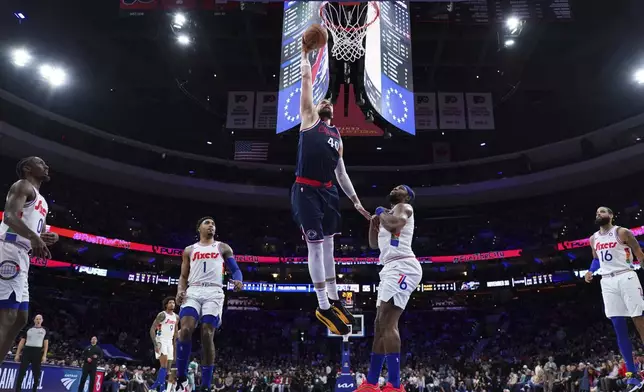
(605, 256)
(204, 267)
(334, 143)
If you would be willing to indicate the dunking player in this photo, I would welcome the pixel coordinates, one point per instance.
(200, 295)
(164, 331)
(315, 200)
(613, 248)
(392, 232)
(22, 231)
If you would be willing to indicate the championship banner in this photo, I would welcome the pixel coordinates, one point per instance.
(266, 111)
(480, 113)
(442, 152)
(451, 109)
(53, 379)
(349, 118)
(138, 7)
(426, 111)
(179, 5)
(240, 109)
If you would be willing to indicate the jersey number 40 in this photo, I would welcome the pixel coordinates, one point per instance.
(334, 143)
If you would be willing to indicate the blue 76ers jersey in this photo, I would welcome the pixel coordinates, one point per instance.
(318, 152)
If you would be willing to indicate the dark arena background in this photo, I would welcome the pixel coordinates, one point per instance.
(513, 120)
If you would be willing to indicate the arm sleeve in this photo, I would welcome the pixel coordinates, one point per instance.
(343, 179)
(594, 266)
(234, 269)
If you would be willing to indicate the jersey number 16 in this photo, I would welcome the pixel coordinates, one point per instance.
(605, 256)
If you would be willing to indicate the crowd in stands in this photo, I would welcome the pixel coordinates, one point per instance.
(532, 224)
(545, 341)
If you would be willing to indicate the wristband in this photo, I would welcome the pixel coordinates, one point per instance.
(594, 266)
(380, 210)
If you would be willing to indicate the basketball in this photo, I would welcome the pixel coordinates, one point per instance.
(315, 37)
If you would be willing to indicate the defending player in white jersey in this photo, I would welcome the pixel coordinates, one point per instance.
(201, 297)
(392, 231)
(22, 231)
(613, 248)
(164, 331)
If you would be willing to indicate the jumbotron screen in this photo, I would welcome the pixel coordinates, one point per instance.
(298, 16)
(388, 77)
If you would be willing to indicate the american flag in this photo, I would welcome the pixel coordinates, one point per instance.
(251, 151)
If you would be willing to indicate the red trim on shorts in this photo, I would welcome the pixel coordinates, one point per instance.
(314, 183)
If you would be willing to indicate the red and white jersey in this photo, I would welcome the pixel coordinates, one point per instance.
(613, 254)
(206, 266)
(33, 214)
(168, 326)
(396, 246)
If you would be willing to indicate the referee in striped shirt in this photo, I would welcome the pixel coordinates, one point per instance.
(32, 350)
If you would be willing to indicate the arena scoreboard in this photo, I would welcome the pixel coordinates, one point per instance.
(388, 75)
(298, 16)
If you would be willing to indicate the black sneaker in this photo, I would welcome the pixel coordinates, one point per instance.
(182, 385)
(342, 312)
(330, 318)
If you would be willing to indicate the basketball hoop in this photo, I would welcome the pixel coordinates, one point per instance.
(348, 24)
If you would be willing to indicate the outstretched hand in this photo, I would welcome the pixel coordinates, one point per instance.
(362, 211)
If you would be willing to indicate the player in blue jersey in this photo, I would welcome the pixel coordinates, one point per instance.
(315, 200)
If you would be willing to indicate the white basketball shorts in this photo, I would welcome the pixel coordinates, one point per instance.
(167, 349)
(398, 279)
(622, 295)
(14, 271)
(205, 300)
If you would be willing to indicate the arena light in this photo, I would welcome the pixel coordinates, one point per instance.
(20, 57)
(512, 24)
(55, 76)
(179, 20)
(509, 43)
(183, 39)
(639, 76)
(20, 16)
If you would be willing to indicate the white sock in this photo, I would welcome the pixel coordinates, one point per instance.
(329, 268)
(316, 270)
(323, 299)
(170, 387)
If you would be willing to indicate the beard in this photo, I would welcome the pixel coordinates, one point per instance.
(325, 114)
(394, 198)
(601, 221)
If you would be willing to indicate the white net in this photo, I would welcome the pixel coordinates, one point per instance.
(348, 24)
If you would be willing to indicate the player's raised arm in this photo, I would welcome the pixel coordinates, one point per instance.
(374, 227)
(395, 221)
(16, 199)
(183, 278)
(307, 109)
(228, 255)
(345, 183)
(629, 239)
(153, 330)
